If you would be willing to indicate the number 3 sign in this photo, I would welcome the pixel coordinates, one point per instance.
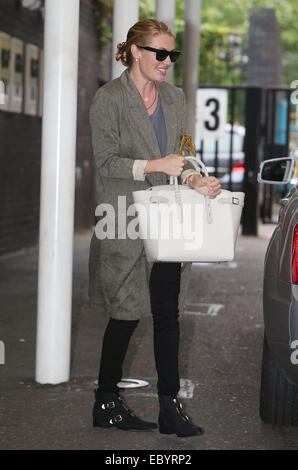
(211, 114)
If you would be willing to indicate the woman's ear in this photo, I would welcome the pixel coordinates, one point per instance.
(135, 51)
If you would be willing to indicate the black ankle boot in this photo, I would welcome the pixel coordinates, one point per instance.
(173, 420)
(111, 410)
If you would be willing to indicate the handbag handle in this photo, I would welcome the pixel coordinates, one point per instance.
(185, 141)
(196, 163)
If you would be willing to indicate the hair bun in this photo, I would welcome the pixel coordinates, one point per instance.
(121, 53)
(121, 46)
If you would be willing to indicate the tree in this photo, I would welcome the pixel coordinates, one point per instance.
(219, 22)
(235, 14)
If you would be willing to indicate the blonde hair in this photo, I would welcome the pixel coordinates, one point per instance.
(140, 34)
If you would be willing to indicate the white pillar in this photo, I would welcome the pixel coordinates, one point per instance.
(191, 48)
(166, 12)
(125, 15)
(61, 37)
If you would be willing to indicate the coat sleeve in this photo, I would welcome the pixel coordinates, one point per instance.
(105, 132)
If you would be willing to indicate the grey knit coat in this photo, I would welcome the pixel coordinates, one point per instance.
(121, 133)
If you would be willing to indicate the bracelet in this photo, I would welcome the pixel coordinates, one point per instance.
(189, 178)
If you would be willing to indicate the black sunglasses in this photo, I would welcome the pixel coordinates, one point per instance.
(162, 54)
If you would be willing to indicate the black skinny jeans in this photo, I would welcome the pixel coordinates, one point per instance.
(164, 293)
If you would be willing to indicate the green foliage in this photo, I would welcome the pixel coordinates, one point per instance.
(220, 20)
(221, 52)
(235, 14)
(104, 15)
(147, 9)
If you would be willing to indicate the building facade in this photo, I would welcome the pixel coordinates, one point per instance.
(21, 56)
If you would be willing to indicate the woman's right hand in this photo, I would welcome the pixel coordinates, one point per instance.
(171, 165)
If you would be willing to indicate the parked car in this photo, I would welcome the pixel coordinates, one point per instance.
(208, 156)
(279, 379)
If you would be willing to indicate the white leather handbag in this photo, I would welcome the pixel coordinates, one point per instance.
(178, 224)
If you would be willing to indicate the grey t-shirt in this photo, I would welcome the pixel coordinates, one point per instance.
(159, 126)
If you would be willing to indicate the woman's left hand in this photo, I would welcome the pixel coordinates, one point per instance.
(207, 185)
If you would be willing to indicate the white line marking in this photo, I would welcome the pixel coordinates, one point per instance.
(2, 353)
(2, 92)
(186, 390)
(132, 383)
(224, 264)
(202, 309)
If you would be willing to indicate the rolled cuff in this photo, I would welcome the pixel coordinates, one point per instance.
(186, 173)
(138, 170)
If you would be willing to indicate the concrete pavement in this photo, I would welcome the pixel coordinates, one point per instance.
(221, 341)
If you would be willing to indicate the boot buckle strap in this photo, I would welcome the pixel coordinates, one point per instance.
(116, 419)
(109, 405)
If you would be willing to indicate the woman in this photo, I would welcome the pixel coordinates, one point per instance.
(136, 123)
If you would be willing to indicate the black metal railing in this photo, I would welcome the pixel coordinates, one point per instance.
(266, 132)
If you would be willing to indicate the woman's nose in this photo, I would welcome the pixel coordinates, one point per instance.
(167, 61)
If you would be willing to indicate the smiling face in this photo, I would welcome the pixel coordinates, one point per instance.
(150, 68)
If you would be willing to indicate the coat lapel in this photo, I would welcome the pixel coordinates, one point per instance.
(169, 111)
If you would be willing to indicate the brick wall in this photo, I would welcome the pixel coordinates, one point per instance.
(88, 81)
(20, 136)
